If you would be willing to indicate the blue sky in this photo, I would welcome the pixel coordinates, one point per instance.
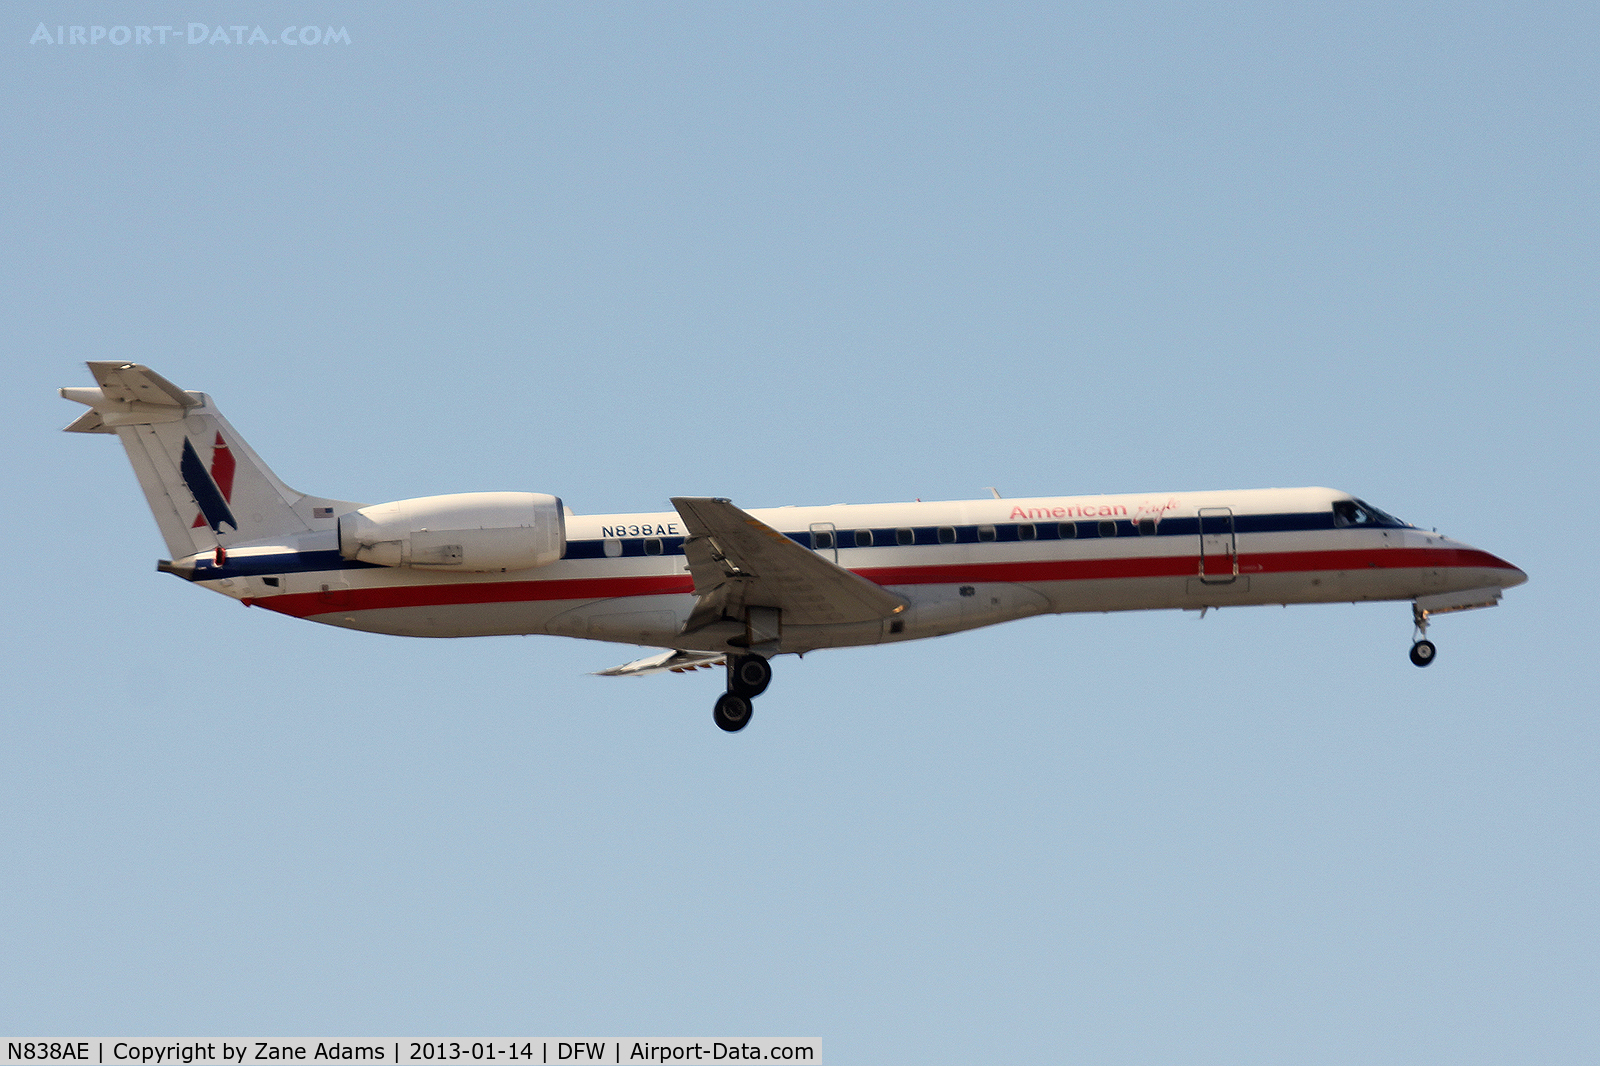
(814, 254)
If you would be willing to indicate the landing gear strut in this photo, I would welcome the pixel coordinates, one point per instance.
(748, 677)
(1422, 649)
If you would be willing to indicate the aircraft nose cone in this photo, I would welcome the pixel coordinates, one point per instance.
(1507, 575)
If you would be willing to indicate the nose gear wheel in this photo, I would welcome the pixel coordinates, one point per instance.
(1422, 649)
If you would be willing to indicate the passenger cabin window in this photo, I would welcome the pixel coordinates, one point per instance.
(905, 536)
(652, 546)
(1147, 527)
(986, 533)
(947, 534)
(822, 539)
(863, 538)
(1067, 530)
(1108, 529)
(1026, 532)
(611, 547)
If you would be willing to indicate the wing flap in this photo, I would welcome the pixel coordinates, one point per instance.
(676, 662)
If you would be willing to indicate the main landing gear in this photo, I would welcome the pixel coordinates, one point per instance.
(1422, 649)
(748, 677)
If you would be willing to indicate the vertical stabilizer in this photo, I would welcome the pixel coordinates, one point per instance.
(206, 487)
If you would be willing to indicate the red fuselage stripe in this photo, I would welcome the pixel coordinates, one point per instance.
(304, 604)
(1184, 565)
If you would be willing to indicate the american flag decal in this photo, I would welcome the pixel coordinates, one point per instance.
(322, 512)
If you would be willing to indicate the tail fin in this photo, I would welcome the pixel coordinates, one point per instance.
(206, 486)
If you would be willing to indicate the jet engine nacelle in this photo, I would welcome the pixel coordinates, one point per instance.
(475, 531)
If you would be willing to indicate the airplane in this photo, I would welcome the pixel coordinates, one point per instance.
(714, 585)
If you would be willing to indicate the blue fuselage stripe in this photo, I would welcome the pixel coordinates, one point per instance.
(1003, 532)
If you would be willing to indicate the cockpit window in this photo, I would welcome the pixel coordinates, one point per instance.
(1384, 517)
(1349, 513)
(1359, 513)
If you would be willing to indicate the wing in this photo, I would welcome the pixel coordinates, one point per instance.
(738, 561)
(678, 662)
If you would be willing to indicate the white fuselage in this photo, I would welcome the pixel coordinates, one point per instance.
(959, 565)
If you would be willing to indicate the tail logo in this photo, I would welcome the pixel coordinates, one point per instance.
(212, 489)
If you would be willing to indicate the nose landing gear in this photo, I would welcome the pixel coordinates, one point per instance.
(748, 677)
(1422, 649)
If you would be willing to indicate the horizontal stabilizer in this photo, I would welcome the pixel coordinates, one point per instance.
(677, 662)
(129, 394)
(88, 422)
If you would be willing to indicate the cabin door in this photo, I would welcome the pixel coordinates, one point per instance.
(1219, 550)
(825, 539)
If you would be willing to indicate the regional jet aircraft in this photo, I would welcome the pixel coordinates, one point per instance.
(713, 585)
